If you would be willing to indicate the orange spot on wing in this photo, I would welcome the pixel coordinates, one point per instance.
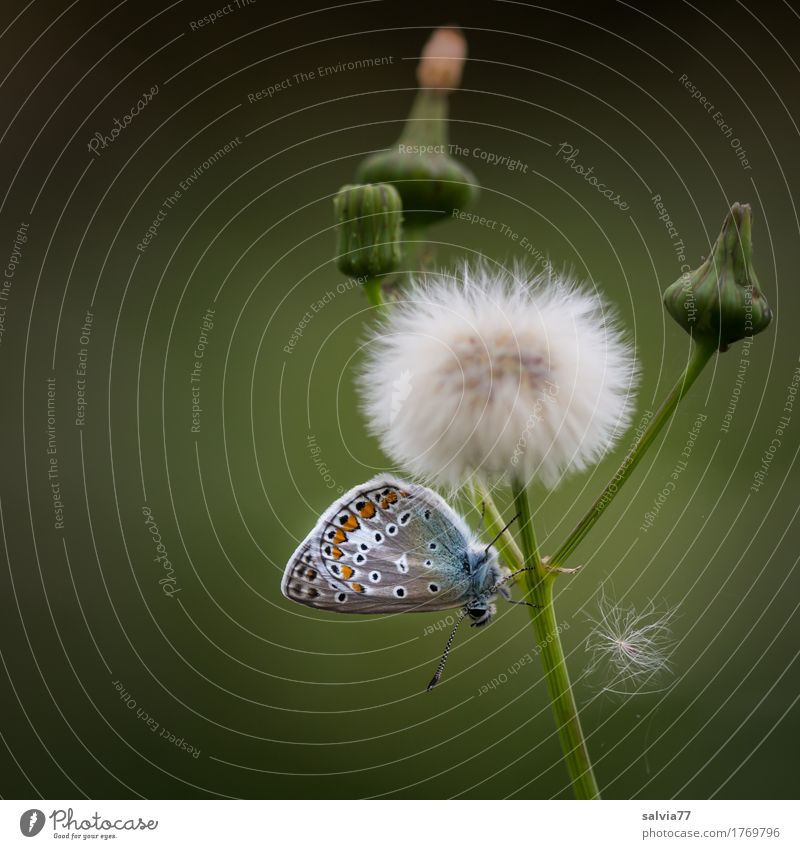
(337, 552)
(388, 499)
(351, 524)
(368, 510)
(340, 536)
(347, 572)
(358, 588)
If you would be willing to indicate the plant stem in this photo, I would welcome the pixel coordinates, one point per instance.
(700, 355)
(548, 640)
(416, 248)
(372, 289)
(526, 533)
(506, 544)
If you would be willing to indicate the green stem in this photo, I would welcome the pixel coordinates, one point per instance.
(700, 355)
(509, 550)
(372, 289)
(415, 246)
(548, 643)
(526, 533)
(426, 124)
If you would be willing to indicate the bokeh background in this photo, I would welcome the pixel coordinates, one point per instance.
(110, 686)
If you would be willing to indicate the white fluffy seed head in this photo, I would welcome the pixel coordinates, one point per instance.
(629, 649)
(497, 373)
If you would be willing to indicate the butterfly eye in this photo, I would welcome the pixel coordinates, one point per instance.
(400, 592)
(374, 577)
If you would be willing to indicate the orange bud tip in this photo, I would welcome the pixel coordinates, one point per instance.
(442, 60)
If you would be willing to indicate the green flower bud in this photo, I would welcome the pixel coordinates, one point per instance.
(369, 230)
(721, 302)
(430, 181)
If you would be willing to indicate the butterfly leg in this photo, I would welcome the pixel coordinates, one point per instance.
(527, 603)
(500, 587)
(506, 593)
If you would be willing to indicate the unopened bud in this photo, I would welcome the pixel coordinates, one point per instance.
(721, 301)
(442, 59)
(430, 181)
(369, 230)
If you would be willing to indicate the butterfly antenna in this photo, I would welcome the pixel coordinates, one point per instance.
(440, 668)
(510, 577)
(501, 533)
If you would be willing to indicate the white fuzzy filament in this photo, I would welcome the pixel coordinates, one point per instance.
(497, 373)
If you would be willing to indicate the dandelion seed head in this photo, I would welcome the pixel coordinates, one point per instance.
(629, 649)
(504, 373)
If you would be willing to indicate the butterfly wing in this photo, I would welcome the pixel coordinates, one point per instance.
(387, 546)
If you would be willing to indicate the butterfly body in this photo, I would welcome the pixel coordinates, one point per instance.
(388, 546)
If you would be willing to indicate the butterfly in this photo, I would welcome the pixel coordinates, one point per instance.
(388, 546)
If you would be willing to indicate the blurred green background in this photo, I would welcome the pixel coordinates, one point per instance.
(106, 681)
